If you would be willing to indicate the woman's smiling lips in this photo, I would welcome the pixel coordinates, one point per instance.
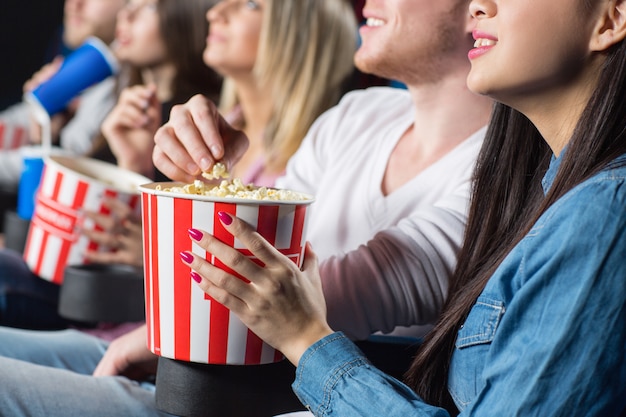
(215, 37)
(484, 42)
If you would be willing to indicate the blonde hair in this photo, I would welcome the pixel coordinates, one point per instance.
(305, 54)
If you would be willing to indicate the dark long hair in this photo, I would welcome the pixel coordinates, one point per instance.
(184, 29)
(507, 199)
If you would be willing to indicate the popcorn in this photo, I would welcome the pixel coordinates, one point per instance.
(282, 223)
(233, 188)
(236, 189)
(218, 171)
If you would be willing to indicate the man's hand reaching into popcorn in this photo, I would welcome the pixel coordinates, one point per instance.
(195, 137)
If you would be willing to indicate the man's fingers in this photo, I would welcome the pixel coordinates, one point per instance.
(193, 128)
(208, 122)
(194, 138)
(172, 170)
(236, 141)
(169, 144)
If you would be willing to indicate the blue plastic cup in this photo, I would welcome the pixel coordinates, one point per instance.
(33, 162)
(91, 63)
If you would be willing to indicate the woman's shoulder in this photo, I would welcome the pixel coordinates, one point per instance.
(580, 239)
(595, 206)
(605, 188)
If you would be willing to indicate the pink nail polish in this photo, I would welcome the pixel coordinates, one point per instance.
(195, 234)
(186, 257)
(196, 277)
(225, 217)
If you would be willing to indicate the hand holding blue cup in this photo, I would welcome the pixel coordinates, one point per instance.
(91, 63)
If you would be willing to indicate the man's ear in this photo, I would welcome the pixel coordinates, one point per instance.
(611, 26)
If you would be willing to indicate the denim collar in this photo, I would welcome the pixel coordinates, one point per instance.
(555, 163)
(550, 174)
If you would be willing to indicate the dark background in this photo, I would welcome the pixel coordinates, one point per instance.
(30, 33)
(30, 36)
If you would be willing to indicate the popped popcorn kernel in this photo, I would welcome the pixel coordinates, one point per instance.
(217, 171)
(235, 188)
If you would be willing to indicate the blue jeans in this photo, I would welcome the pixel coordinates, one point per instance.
(27, 301)
(48, 373)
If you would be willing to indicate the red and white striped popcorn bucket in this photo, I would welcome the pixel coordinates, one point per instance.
(68, 186)
(183, 322)
(12, 136)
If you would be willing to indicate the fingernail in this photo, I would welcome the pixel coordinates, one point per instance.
(216, 151)
(196, 277)
(192, 168)
(205, 164)
(225, 217)
(186, 257)
(195, 234)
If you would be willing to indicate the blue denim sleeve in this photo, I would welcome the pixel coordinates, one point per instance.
(333, 378)
(560, 345)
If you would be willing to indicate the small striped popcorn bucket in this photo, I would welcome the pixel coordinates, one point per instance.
(68, 186)
(12, 136)
(183, 322)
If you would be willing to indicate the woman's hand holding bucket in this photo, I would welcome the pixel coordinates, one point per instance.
(119, 229)
(281, 304)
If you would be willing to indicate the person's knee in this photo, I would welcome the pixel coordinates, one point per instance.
(12, 268)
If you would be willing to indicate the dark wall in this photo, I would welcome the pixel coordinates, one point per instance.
(29, 37)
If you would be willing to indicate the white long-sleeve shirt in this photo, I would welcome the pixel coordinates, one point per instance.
(76, 137)
(385, 260)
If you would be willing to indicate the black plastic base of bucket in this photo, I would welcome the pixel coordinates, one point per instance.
(109, 293)
(194, 389)
(15, 231)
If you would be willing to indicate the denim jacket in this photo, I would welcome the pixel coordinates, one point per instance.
(547, 336)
